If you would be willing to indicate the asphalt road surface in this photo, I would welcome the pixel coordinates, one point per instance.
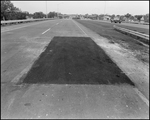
(135, 27)
(106, 30)
(75, 60)
(67, 78)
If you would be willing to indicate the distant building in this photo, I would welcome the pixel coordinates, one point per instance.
(72, 16)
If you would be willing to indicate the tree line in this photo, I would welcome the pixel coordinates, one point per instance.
(10, 12)
(122, 17)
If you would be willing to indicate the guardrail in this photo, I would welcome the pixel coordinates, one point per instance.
(3, 23)
(137, 34)
(144, 23)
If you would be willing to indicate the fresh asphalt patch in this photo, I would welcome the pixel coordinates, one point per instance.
(75, 60)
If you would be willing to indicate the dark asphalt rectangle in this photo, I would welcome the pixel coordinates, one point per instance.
(75, 60)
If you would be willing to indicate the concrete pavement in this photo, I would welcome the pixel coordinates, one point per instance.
(136, 70)
(127, 24)
(135, 27)
(19, 47)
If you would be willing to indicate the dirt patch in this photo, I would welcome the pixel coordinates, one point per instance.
(75, 60)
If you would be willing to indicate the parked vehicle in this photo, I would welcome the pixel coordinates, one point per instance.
(115, 20)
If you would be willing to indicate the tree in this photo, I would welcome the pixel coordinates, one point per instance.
(6, 9)
(52, 14)
(118, 16)
(128, 16)
(39, 15)
(22, 15)
(139, 17)
(122, 17)
(112, 16)
(86, 15)
(101, 16)
(131, 17)
(146, 18)
(10, 12)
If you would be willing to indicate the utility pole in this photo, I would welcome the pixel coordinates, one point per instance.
(46, 10)
(58, 8)
(104, 8)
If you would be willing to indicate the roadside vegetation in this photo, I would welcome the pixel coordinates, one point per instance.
(10, 12)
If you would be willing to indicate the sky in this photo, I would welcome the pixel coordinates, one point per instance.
(85, 7)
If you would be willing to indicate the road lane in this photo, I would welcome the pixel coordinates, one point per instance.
(135, 27)
(20, 46)
(16, 45)
(137, 71)
(130, 43)
(14, 27)
(125, 24)
(46, 31)
(65, 28)
(64, 101)
(81, 29)
(19, 37)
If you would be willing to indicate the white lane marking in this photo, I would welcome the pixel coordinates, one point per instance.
(46, 31)
(141, 96)
(23, 26)
(80, 29)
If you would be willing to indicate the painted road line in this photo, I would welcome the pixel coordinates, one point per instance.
(46, 31)
(22, 27)
(141, 96)
(80, 28)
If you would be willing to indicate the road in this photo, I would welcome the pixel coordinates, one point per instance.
(106, 30)
(73, 90)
